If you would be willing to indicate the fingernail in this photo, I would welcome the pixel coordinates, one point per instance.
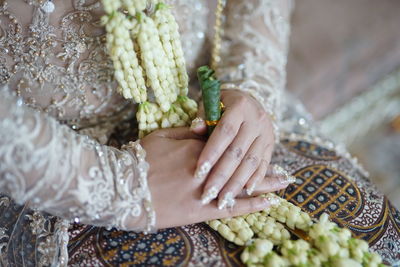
(291, 179)
(250, 190)
(273, 200)
(283, 176)
(227, 201)
(278, 170)
(287, 179)
(203, 170)
(209, 195)
(196, 122)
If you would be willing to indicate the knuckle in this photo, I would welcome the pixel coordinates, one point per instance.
(213, 154)
(268, 147)
(221, 176)
(252, 204)
(242, 100)
(258, 177)
(252, 160)
(263, 116)
(227, 128)
(232, 186)
(255, 203)
(264, 164)
(235, 152)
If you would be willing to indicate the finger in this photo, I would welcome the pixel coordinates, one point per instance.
(271, 170)
(243, 206)
(271, 184)
(198, 126)
(266, 185)
(256, 178)
(261, 171)
(250, 163)
(177, 133)
(222, 136)
(227, 165)
(276, 178)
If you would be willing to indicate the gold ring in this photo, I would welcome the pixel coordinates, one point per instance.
(221, 105)
(212, 123)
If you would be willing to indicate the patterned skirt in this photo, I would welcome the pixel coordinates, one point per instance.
(326, 182)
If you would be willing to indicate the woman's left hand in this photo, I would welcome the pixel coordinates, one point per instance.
(238, 152)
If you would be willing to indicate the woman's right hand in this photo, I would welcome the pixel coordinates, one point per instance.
(176, 194)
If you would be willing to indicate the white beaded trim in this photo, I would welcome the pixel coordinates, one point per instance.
(143, 168)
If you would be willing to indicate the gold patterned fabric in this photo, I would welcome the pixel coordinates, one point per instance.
(326, 182)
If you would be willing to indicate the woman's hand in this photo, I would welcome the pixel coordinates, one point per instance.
(176, 195)
(238, 152)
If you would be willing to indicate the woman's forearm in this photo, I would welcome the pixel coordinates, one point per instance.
(57, 170)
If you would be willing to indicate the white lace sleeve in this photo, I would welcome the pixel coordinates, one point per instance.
(69, 175)
(254, 50)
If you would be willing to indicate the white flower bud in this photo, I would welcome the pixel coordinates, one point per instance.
(214, 224)
(173, 118)
(119, 75)
(262, 247)
(180, 123)
(165, 106)
(340, 262)
(245, 234)
(153, 126)
(166, 124)
(245, 256)
(238, 241)
(142, 126)
(234, 224)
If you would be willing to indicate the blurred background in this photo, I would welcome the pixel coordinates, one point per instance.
(344, 65)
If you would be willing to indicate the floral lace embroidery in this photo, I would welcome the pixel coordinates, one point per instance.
(254, 52)
(66, 61)
(60, 66)
(57, 64)
(67, 174)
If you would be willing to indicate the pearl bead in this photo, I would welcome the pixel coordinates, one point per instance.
(48, 7)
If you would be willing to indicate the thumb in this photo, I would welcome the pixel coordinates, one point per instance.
(177, 133)
(198, 126)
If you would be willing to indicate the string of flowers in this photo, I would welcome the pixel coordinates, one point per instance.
(268, 242)
(144, 44)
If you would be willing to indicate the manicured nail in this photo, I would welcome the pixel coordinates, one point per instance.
(203, 170)
(196, 123)
(250, 190)
(278, 171)
(227, 201)
(283, 176)
(287, 179)
(291, 179)
(211, 194)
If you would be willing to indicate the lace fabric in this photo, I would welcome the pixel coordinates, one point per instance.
(67, 174)
(56, 63)
(254, 51)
